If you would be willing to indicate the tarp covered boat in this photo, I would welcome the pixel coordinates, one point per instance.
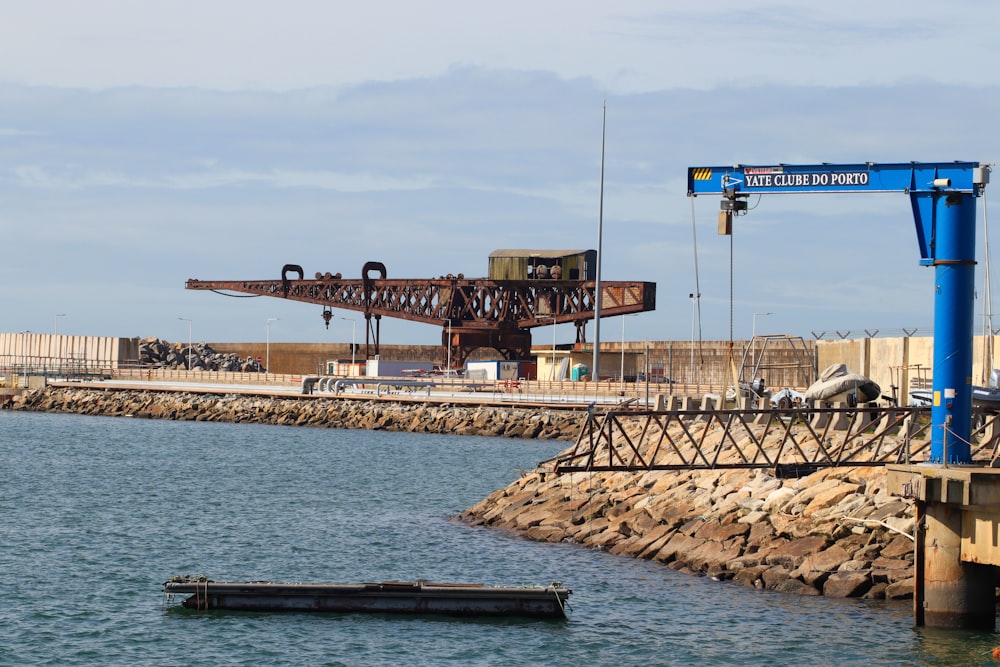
(417, 597)
(838, 384)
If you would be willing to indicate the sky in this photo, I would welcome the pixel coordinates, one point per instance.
(146, 143)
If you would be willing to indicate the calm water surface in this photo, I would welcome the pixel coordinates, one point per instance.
(98, 512)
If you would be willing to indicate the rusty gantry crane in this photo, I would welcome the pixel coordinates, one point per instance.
(473, 312)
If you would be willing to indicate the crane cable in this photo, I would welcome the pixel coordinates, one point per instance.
(697, 283)
(987, 366)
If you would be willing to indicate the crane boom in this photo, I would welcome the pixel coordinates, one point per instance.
(942, 197)
(473, 312)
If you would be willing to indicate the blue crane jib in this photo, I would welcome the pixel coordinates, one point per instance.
(942, 196)
(921, 180)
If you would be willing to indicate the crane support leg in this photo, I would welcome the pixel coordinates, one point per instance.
(954, 225)
(510, 343)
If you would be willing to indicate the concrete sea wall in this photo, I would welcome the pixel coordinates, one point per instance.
(836, 532)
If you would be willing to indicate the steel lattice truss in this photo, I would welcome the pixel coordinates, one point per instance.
(478, 312)
(787, 440)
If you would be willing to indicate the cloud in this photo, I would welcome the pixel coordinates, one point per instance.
(109, 193)
(627, 47)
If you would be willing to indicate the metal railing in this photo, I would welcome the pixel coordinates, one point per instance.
(792, 441)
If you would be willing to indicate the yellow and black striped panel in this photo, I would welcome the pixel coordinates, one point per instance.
(701, 173)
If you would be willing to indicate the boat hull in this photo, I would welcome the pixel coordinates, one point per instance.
(387, 597)
(985, 398)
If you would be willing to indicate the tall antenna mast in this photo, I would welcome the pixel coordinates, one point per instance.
(595, 368)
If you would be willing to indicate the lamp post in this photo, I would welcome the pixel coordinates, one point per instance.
(552, 372)
(753, 345)
(189, 321)
(694, 304)
(25, 357)
(448, 369)
(353, 343)
(554, 348)
(621, 370)
(55, 335)
(755, 322)
(596, 362)
(267, 346)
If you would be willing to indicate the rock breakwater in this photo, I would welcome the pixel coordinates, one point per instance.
(836, 532)
(455, 419)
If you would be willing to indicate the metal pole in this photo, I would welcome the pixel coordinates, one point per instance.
(753, 346)
(754, 335)
(621, 370)
(55, 335)
(353, 338)
(267, 346)
(954, 282)
(645, 373)
(595, 372)
(691, 372)
(553, 373)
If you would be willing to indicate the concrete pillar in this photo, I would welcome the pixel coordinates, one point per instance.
(955, 594)
(764, 416)
(841, 420)
(888, 418)
(665, 402)
(865, 419)
(820, 419)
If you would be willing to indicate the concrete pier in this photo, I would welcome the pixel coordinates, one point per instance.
(957, 546)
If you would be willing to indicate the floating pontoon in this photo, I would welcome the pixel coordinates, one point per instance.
(417, 597)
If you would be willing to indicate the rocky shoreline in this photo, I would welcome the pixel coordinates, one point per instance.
(836, 532)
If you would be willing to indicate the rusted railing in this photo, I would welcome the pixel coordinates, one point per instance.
(788, 441)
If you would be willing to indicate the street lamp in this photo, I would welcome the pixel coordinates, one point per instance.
(694, 305)
(552, 373)
(755, 323)
(267, 346)
(448, 369)
(25, 358)
(753, 345)
(353, 339)
(55, 335)
(189, 321)
(621, 371)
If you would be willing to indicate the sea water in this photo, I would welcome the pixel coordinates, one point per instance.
(98, 512)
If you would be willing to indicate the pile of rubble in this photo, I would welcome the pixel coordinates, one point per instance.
(156, 353)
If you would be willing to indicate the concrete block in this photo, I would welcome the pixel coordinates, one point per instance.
(819, 420)
(841, 421)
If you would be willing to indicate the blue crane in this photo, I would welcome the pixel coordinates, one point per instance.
(943, 197)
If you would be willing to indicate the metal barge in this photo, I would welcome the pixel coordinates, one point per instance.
(417, 597)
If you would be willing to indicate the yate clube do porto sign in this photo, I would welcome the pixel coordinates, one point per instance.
(779, 177)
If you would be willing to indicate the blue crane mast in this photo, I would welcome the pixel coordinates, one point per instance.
(943, 197)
